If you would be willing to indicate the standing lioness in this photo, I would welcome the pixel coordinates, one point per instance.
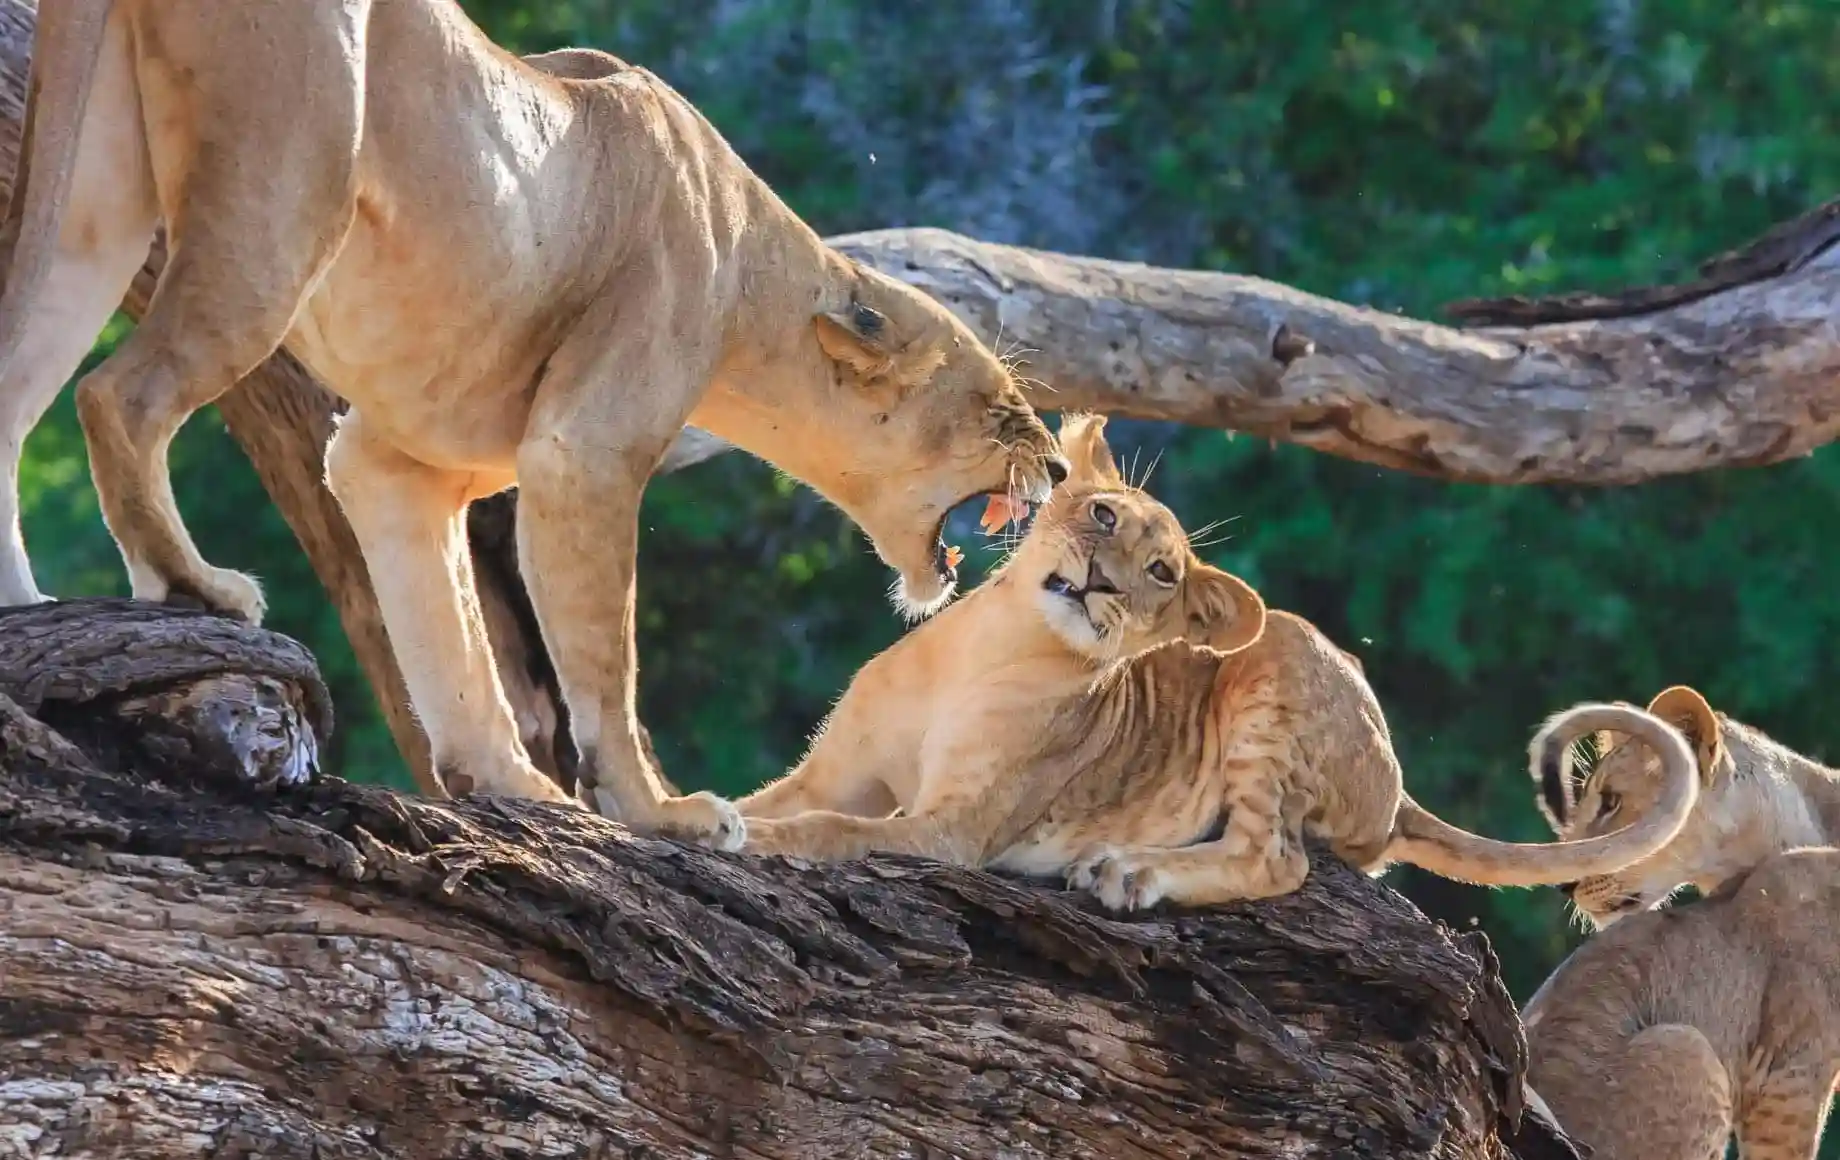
(513, 277)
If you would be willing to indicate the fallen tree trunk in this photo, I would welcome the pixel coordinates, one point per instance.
(190, 965)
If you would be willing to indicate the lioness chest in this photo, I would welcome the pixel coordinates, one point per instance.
(497, 213)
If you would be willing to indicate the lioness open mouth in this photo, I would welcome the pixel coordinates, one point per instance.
(1002, 508)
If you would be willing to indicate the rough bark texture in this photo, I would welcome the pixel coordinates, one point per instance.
(192, 966)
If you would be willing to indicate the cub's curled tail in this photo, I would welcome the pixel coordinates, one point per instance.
(1427, 841)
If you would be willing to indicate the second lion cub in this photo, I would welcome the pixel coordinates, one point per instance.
(1110, 707)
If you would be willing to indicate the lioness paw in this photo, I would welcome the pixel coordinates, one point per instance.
(220, 590)
(703, 817)
(1120, 880)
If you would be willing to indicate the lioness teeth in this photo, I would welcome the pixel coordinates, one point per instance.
(1002, 509)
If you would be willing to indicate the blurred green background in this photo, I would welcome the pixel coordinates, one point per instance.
(1401, 153)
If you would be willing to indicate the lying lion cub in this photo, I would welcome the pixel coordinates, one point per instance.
(528, 272)
(1655, 1040)
(1757, 797)
(1024, 729)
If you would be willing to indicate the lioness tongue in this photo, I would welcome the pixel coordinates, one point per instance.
(1001, 510)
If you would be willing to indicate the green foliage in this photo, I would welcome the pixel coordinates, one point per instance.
(1398, 152)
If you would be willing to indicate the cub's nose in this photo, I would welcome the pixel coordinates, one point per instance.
(1057, 470)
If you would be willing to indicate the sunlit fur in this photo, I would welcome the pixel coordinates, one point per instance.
(1111, 708)
(1757, 797)
(1665, 1036)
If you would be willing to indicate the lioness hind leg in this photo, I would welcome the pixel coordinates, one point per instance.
(257, 195)
(103, 237)
(410, 523)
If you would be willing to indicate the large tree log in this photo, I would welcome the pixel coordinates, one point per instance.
(191, 966)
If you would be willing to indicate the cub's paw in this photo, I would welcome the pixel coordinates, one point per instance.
(703, 817)
(1122, 881)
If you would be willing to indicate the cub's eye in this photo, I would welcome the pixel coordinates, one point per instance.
(1162, 573)
(1105, 517)
(1611, 803)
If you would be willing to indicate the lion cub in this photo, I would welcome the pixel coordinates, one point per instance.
(939, 724)
(1654, 1041)
(1757, 797)
(1064, 718)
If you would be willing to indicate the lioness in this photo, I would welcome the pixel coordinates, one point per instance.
(514, 277)
(1655, 1040)
(1024, 729)
(1757, 797)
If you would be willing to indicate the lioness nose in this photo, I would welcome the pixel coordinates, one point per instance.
(1057, 470)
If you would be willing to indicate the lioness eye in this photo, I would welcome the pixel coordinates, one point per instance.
(1105, 517)
(1162, 573)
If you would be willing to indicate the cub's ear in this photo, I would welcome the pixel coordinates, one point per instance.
(1686, 710)
(1082, 440)
(862, 339)
(1223, 611)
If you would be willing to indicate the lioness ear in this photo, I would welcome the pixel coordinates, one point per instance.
(1223, 611)
(1082, 441)
(1686, 710)
(862, 339)
(857, 337)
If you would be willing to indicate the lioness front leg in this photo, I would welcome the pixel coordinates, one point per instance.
(1260, 855)
(410, 523)
(602, 422)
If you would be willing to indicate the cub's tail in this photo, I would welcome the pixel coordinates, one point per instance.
(1428, 841)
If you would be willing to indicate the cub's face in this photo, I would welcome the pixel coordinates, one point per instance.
(1112, 570)
(1622, 785)
(925, 418)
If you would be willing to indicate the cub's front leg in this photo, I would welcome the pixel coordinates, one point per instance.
(827, 836)
(857, 760)
(952, 817)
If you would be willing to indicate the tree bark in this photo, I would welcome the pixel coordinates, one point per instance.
(204, 952)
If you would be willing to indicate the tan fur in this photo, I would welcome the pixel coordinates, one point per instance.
(1757, 797)
(1009, 734)
(516, 272)
(1660, 1039)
